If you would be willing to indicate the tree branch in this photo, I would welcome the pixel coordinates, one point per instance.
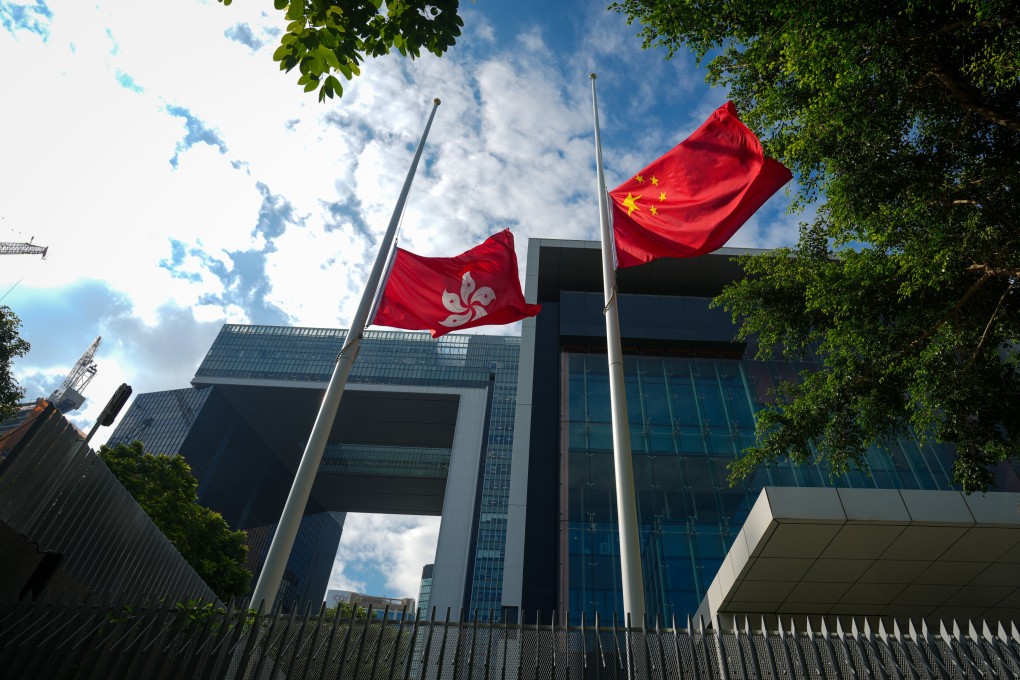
(966, 98)
(956, 308)
(988, 326)
(958, 25)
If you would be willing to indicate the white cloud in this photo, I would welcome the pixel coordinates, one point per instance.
(398, 546)
(155, 255)
(317, 273)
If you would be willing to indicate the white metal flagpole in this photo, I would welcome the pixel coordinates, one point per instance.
(286, 531)
(626, 505)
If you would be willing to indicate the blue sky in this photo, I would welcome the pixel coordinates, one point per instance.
(181, 181)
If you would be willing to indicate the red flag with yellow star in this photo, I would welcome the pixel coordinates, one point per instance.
(693, 199)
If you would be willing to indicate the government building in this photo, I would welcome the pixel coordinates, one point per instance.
(508, 439)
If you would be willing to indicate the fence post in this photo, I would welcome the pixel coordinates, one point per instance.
(471, 652)
(584, 646)
(411, 644)
(662, 650)
(378, 640)
(676, 650)
(396, 642)
(298, 639)
(253, 635)
(329, 644)
(428, 645)
(274, 612)
(442, 645)
(313, 640)
(520, 643)
(283, 643)
(488, 642)
(552, 644)
(361, 643)
(456, 649)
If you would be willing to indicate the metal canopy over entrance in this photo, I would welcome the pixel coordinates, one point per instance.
(937, 555)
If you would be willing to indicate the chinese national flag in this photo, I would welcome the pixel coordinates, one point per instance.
(693, 199)
(442, 294)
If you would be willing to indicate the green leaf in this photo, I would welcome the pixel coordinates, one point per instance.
(325, 36)
(335, 85)
(329, 56)
(296, 10)
(281, 53)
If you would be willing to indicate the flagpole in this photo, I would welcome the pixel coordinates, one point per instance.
(286, 531)
(626, 506)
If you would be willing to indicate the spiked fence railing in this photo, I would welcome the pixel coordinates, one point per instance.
(206, 641)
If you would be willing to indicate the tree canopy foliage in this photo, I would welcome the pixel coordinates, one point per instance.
(325, 38)
(168, 492)
(11, 345)
(901, 122)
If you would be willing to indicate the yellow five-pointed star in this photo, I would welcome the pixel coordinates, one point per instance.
(639, 178)
(662, 196)
(653, 210)
(630, 203)
(655, 180)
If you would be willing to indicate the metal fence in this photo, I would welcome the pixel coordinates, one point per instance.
(64, 503)
(204, 641)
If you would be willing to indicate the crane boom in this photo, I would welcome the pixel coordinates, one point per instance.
(68, 397)
(22, 249)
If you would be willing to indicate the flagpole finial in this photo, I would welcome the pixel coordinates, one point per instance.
(592, 76)
(436, 101)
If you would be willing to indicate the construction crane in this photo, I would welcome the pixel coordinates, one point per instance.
(22, 249)
(68, 397)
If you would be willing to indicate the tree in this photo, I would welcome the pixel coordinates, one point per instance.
(328, 37)
(11, 345)
(168, 492)
(901, 122)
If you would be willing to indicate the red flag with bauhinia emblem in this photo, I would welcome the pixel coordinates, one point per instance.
(442, 294)
(693, 199)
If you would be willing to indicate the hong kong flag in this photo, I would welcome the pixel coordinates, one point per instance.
(693, 199)
(442, 294)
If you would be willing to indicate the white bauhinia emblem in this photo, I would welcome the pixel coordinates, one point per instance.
(430, 12)
(470, 305)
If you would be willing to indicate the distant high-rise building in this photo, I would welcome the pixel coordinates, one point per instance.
(425, 590)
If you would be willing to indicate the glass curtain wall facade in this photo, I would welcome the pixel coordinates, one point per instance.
(692, 391)
(689, 418)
